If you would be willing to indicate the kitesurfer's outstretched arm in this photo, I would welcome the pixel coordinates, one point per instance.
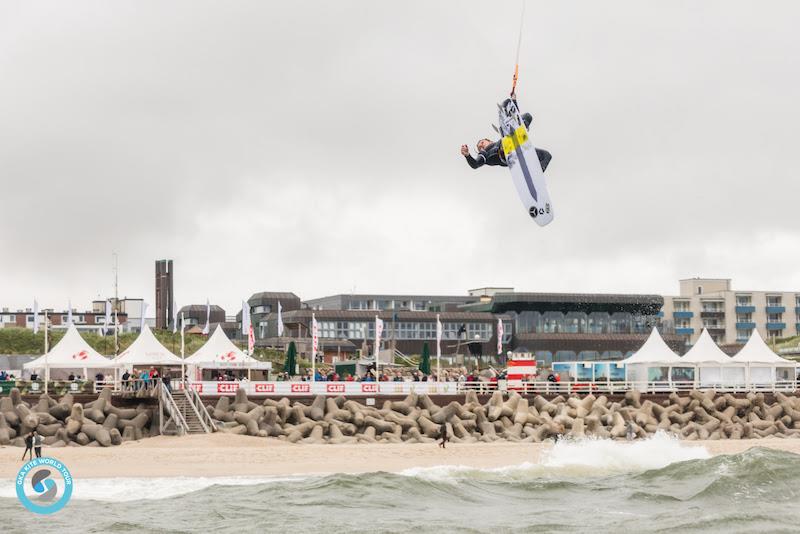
(473, 162)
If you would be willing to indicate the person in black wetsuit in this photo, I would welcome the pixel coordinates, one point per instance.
(491, 152)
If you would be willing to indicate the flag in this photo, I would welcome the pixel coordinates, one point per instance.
(378, 334)
(174, 317)
(314, 342)
(280, 319)
(108, 314)
(251, 341)
(207, 327)
(438, 337)
(35, 317)
(144, 312)
(245, 318)
(182, 344)
(69, 312)
(500, 333)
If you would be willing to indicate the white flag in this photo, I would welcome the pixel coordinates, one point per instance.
(144, 312)
(245, 318)
(280, 319)
(183, 346)
(35, 317)
(314, 344)
(378, 334)
(438, 337)
(69, 312)
(500, 333)
(108, 315)
(174, 316)
(207, 327)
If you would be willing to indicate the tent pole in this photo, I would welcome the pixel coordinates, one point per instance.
(46, 350)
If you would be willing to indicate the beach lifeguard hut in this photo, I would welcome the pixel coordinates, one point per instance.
(521, 368)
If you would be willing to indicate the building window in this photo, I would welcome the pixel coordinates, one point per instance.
(29, 318)
(681, 305)
(699, 290)
(419, 305)
(774, 317)
(744, 300)
(507, 332)
(713, 306)
(682, 323)
(774, 300)
(743, 334)
(262, 309)
(744, 317)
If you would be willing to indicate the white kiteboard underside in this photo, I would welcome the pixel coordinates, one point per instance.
(526, 171)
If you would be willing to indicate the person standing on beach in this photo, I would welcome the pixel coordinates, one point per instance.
(28, 446)
(37, 444)
(443, 435)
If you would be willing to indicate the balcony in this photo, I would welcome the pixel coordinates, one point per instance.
(797, 309)
(776, 326)
(682, 314)
(775, 309)
(660, 314)
(714, 327)
(745, 309)
(684, 331)
(712, 314)
(745, 326)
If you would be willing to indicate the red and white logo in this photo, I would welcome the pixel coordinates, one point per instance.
(227, 357)
(334, 388)
(227, 387)
(369, 387)
(301, 388)
(82, 355)
(197, 387)
(264, 388)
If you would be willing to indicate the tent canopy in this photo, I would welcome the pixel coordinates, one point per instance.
(146, 350)
(220, 353)
(654, 351)
(756, 351)
(705, 351)
(72, 352)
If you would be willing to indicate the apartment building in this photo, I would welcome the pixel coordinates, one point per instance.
(729, 315)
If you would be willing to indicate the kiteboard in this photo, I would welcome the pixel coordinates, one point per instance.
(526, 171)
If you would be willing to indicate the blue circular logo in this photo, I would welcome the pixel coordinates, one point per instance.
(38, 487)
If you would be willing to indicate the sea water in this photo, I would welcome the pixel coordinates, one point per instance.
(654, 485)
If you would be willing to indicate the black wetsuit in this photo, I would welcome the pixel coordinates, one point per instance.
(493, 154)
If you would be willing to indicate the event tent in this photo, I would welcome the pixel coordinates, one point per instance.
(71, 354)
(763, 365)
(656, 362)
(714, 367)
(147, 351)
(220, 353)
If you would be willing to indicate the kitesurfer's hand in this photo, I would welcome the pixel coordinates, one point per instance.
(464, 150)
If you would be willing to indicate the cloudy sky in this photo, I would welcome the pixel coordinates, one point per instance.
(314, 146)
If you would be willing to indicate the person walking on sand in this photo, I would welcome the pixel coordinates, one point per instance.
(443, 435)
(28, 446)
(37, 444)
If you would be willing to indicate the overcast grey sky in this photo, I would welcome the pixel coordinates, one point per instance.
(314, 146)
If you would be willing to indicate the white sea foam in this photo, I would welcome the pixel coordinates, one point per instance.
(135, 489)
(585, 457)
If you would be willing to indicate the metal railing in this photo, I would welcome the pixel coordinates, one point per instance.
(165, 400)
(200, 410)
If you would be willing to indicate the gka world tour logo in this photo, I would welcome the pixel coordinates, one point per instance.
(44, 485)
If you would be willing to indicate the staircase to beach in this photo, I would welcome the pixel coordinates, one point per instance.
(184, 413)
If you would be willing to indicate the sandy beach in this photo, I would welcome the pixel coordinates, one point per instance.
(220, 454)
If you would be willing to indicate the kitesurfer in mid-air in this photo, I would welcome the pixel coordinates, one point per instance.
(491, 152)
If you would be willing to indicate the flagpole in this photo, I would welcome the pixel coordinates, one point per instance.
(183, 354)
(438, 347)
(46, 350)
(313, 348)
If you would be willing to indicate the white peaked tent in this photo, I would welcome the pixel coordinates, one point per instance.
(714, 367)
(763, 365)
(653, 362)
(220, 353)
(72, 353)
(146, 350)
